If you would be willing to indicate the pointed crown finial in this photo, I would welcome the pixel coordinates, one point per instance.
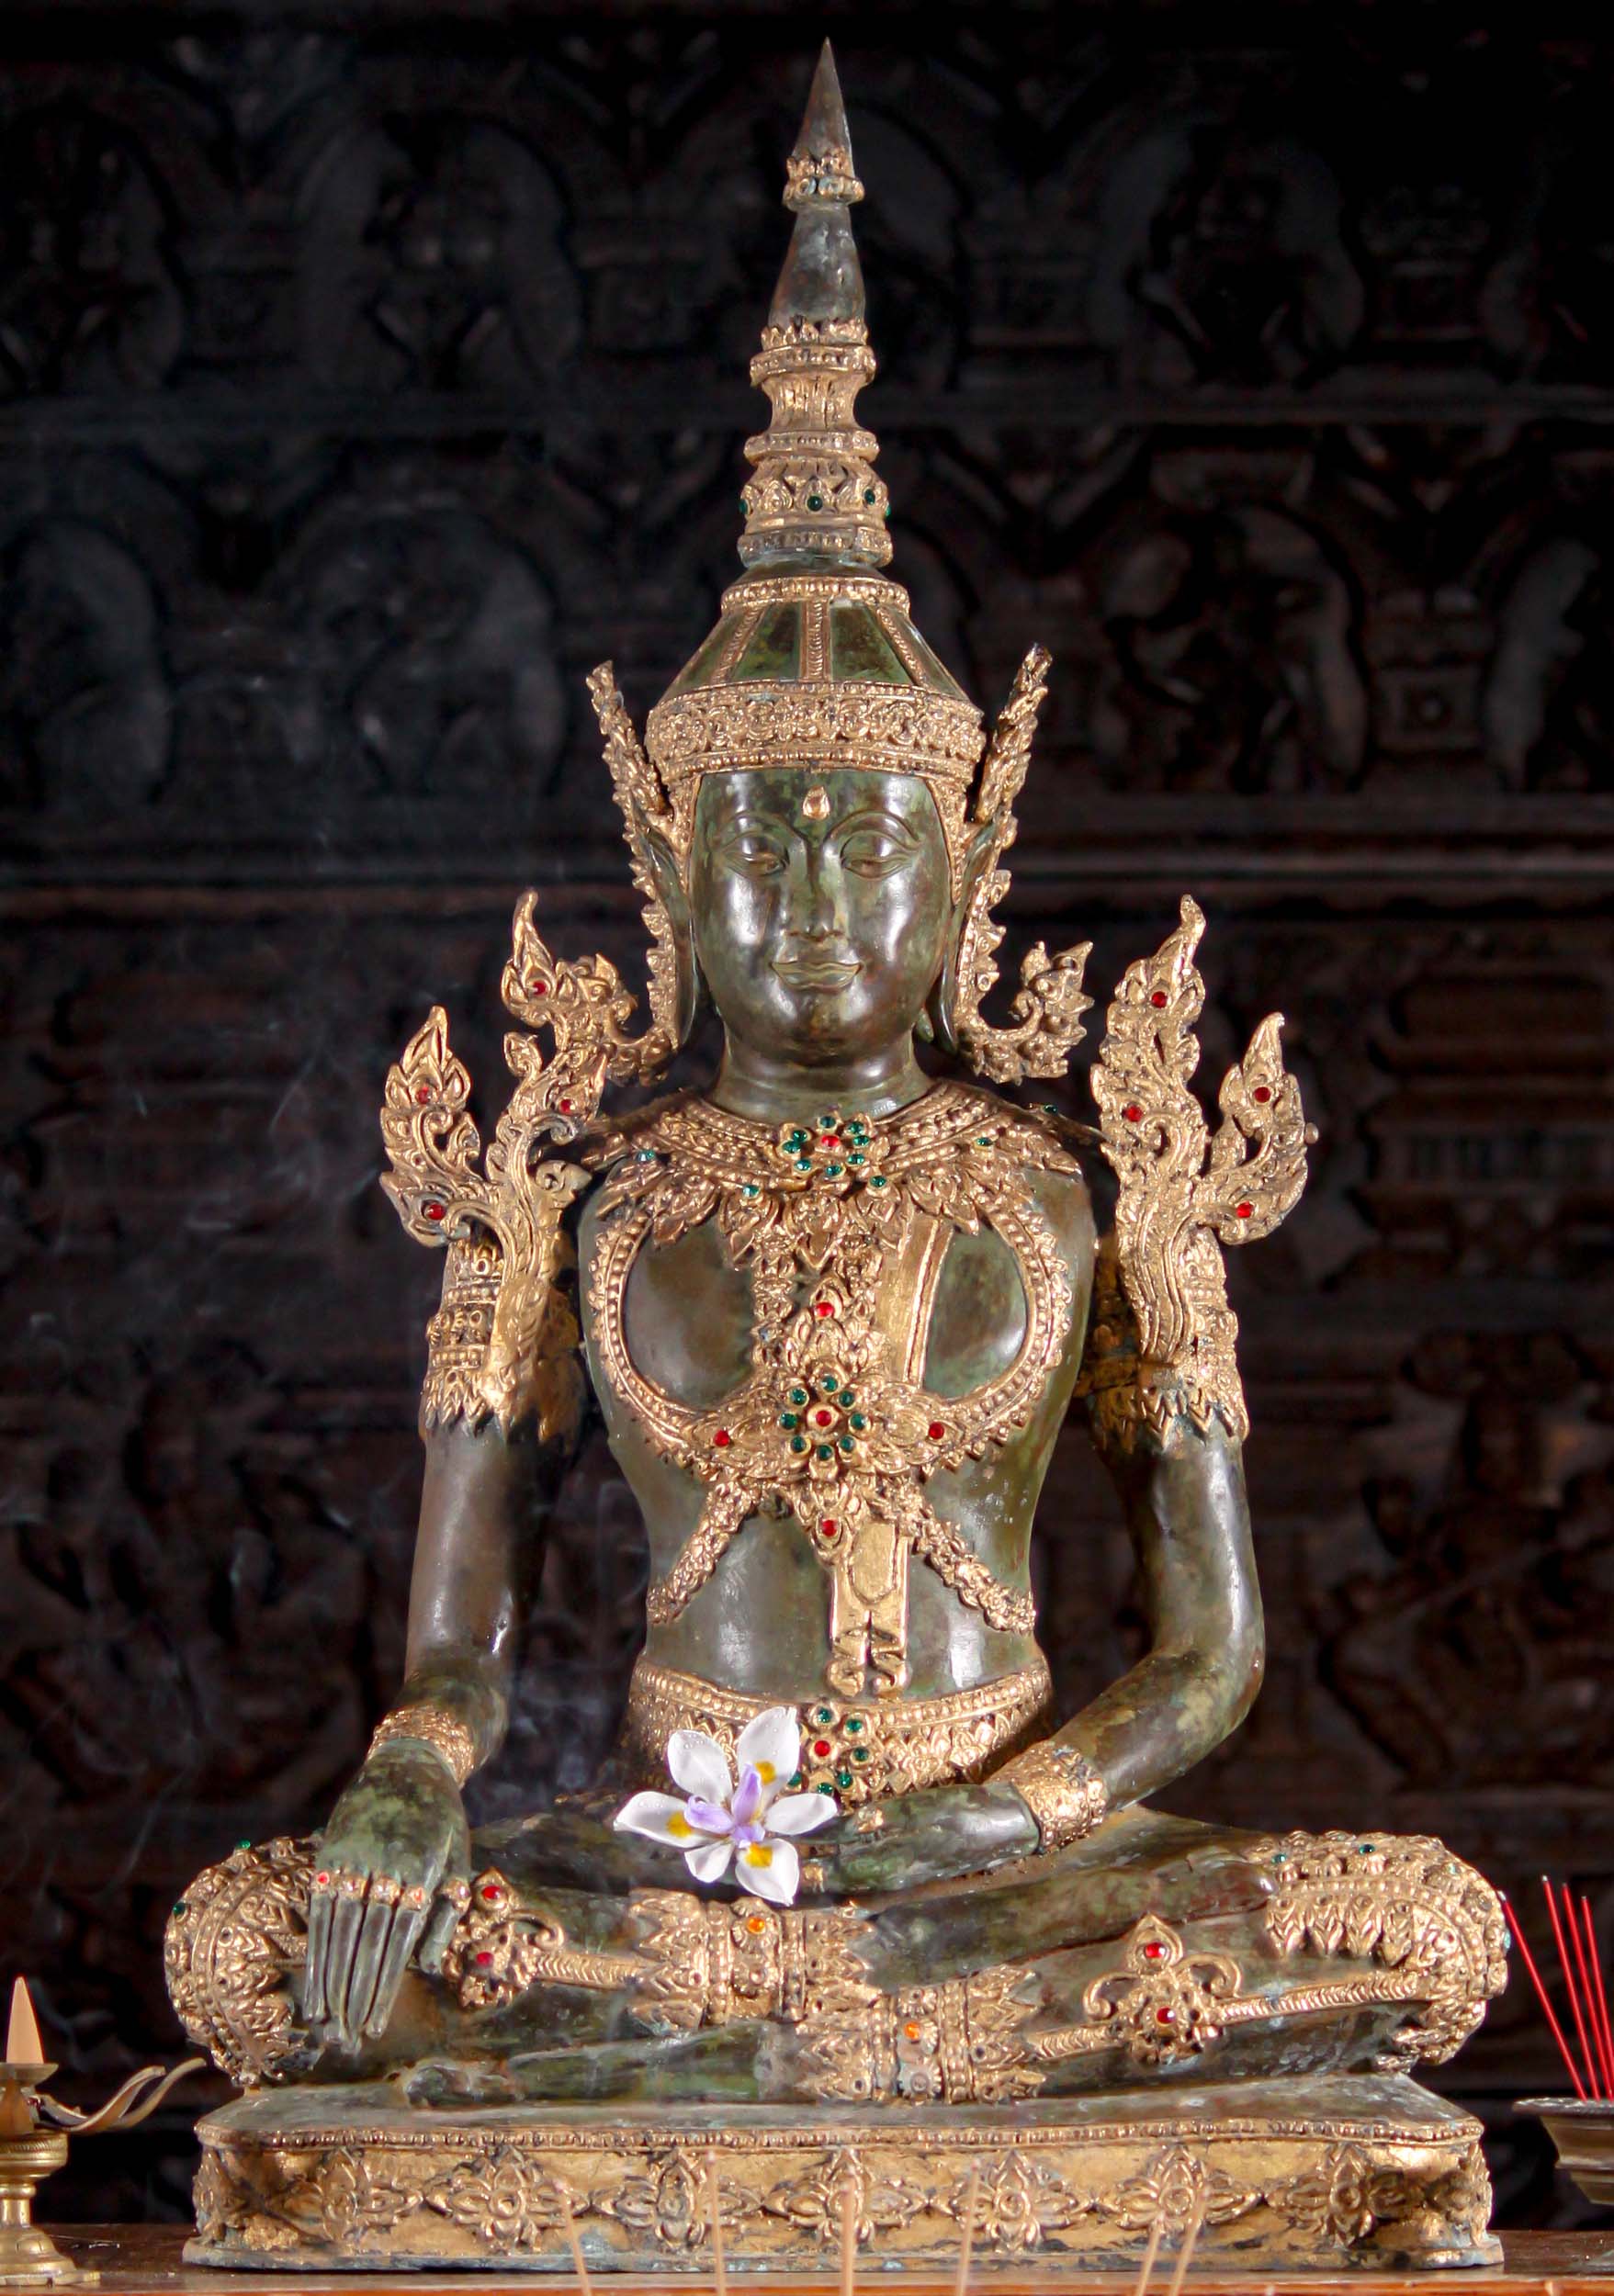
(815, 497)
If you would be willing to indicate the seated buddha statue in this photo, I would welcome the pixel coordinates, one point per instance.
(852, 1909)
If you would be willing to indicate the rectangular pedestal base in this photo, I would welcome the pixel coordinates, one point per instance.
(1360, 2171)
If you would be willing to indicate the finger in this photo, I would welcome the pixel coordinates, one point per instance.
(376, 1928)
(346, 1920)
(407, 1924)
(314, 1979)
(441, 1923)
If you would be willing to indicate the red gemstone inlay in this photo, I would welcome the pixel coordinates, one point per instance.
(484, 1961)
(935, 1431)
(436, 1211)
(823, 1418)
(1165, 2017)
(821, 1747)
(1153, 1951)
(1244, 1211)
(829, 1526)
(1158, 1000)
(722, 1438)
(537, 988)
(324, 1880)
(823, 1306)
(1132, 1113)
(1262, 1093)
(565, 1106)
(491, 1892)
(422, 1093)
(828, 1140)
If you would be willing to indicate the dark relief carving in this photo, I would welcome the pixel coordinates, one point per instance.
(362, 386)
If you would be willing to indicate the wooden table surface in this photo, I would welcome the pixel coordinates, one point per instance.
(144, 2260)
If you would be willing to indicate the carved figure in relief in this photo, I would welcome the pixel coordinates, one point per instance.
(834, 1309)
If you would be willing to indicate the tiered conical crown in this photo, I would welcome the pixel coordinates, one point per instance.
(816, 662)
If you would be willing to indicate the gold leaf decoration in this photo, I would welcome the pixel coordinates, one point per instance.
(1049, 1003)
(1183, 1194)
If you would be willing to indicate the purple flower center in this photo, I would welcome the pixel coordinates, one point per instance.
(710, 1817)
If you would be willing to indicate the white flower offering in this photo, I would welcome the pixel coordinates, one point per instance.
(746, 1823)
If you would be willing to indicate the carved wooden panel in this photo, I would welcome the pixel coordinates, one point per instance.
(364, 380)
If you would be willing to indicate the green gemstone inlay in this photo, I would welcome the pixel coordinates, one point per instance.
(826, 1451)
(833, 1171)
(823, 1787)
(799, 1395)
(804, 1163)
(798, 1443)
(857, 1156)
(858, 1421)
(870, 497)
(794, 1779)
(787, 1419)
(877, 1179)
(859, 1753)
(824, 1714)
(750, 1188)
(854, 1723)
(815, 501)
(844, 1778)
(846, 1444)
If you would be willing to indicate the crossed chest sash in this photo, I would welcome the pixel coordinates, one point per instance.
(843, 1227)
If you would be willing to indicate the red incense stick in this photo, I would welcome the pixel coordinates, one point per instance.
(1568, 1966)
(1522, 1942)
(1599, 2002)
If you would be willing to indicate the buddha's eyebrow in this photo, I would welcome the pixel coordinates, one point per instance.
(876, 817)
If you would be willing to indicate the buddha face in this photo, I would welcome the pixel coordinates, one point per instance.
(821, 905)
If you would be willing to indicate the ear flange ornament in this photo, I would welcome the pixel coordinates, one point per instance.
(1049, 1003)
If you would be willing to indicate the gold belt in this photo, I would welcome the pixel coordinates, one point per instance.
(863, 1748)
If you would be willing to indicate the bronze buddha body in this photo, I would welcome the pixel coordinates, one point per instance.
(834, 1309)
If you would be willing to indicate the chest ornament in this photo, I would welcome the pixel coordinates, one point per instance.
(842, 1226)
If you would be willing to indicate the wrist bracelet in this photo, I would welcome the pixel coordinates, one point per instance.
(444, 1733)
(1061, 1788)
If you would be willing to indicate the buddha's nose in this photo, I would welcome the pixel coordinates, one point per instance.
(816, 909)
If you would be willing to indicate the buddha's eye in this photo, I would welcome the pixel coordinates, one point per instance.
(752, 853)
(875, 851)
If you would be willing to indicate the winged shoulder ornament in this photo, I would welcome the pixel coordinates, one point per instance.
(505, 1340)
(1185, 1192)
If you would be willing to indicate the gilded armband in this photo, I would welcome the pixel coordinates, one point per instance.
(434, 1726)
(1161, 1352)
(1063, 1791)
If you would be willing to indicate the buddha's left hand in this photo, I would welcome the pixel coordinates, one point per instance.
(932, 1835)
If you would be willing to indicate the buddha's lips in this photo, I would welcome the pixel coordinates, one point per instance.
(817, 971)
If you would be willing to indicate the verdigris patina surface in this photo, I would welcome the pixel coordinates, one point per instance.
(909, 1936)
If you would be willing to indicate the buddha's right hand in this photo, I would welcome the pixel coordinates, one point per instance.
(395, 1838)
